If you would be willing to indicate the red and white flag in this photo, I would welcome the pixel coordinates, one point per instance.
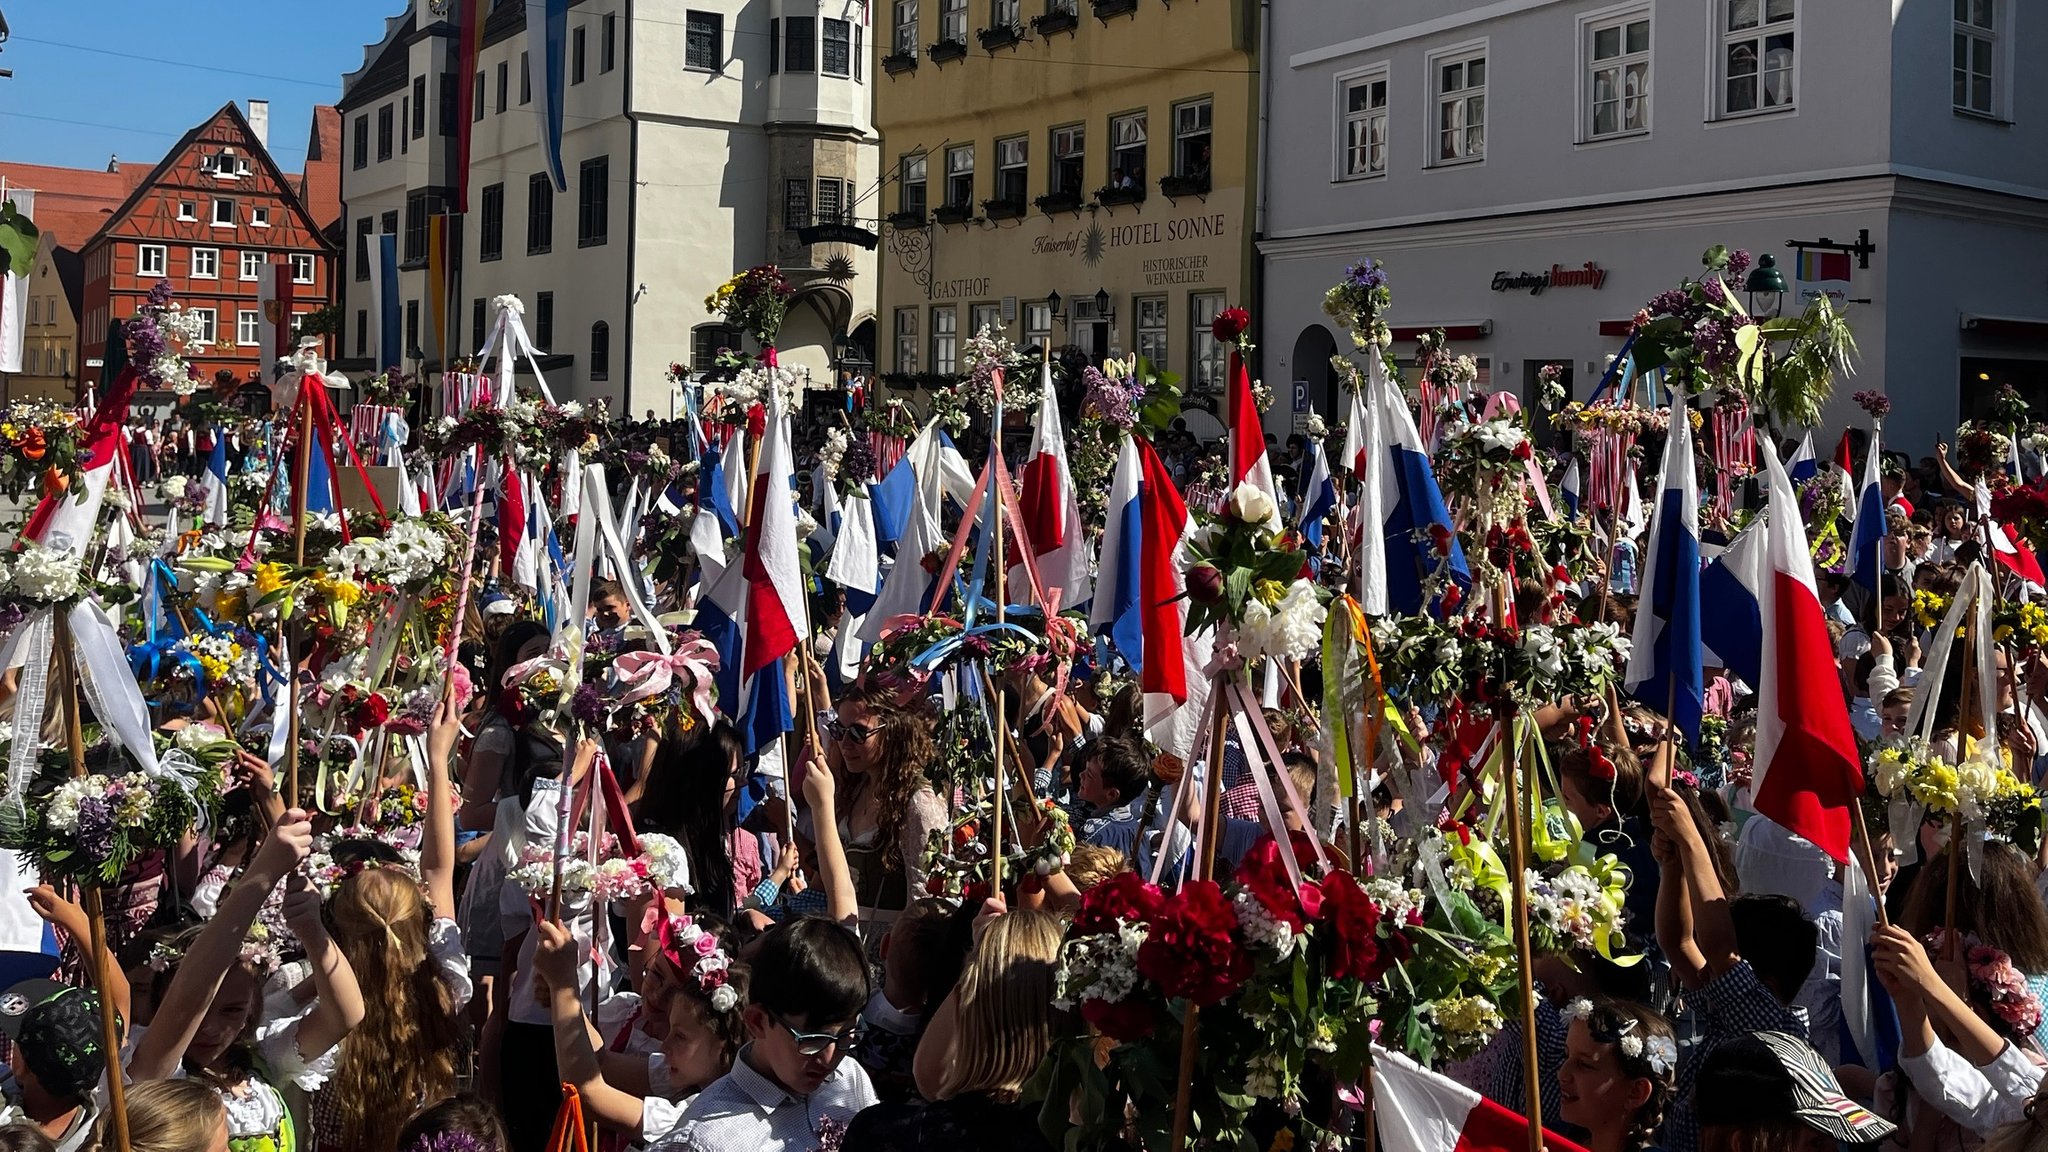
(1051, 507)
(1423, 1111)
(1247, 435)
(775, 613)
(1807, 771)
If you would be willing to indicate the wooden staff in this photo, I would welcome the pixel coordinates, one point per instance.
(1955, 828)
(1521, 814)
(1205, 863)
(998, 500)
(1869, 861)
(95, 904)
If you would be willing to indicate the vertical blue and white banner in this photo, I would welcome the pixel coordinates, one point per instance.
(385, 312)
(547, 39)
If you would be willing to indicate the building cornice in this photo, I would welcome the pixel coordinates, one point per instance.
(1416, 31)
(1798, 194)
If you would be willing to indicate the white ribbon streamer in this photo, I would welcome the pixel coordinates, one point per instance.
(31, 705)
(109, 684)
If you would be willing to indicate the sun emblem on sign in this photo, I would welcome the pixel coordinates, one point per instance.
(1093, 242)
(838, 268)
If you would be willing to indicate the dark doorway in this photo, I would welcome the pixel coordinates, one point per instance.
(1311, 365)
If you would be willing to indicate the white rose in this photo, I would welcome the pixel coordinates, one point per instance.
(1251, 504)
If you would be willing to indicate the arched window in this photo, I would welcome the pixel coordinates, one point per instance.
(600, 351)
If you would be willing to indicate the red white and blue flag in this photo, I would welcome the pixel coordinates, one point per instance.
(1051, 507)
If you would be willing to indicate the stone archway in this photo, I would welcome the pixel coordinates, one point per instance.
(1310, 363)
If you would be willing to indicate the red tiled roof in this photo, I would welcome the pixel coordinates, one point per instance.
(72, 203)
(320, 185)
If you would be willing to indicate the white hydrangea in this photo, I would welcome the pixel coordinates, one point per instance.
(1290, 630)
(409, 553)
(1261, 927)
(667, 865)
(1395, 900)
(46, 575)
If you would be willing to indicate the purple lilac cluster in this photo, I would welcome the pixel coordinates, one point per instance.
(96, 827)
(1738, 263)
(1116, 401)
(587, 705)
(145, 342)
(1366, 275)
(857, 465)
(1876, 403)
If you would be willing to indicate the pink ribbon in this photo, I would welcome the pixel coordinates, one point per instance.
(648, 674)
(518, 673)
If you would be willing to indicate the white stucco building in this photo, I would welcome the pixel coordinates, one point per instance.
(1479, 149)
(699, 139)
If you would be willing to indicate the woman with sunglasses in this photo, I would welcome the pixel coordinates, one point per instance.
(887, 809)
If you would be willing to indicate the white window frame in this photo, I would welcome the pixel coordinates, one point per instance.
(188, 211)
(146, 266)
(1158, 331)
(1340, 168)
(259, 216)
(1203, 347)
(1037, 324)
(906, 339)
(209, 325)
(1464, 54)
(946, 357)
(1717, 70)
(1069, 142)
(1997, 46)
(218, 204)
(252, 265)
(1603, 20)
(248, 326)
(212, 258)
(988, 314)
(1021, 146)
(303, 260)
(959, 163)
(903, 30)
(953, 21)
(1143, 145)
(1004, 14)
(1207, 132)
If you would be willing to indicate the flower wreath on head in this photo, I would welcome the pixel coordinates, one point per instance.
(695, 952)
(1659, 1052)
(327, 873)
(453, 1141)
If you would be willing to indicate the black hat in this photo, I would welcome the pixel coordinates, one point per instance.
(1770, 1077)
(57, 1027)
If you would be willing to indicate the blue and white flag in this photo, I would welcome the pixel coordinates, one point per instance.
(1317, 500)
(1802, 466)
(1664, 661)
(1570, 488)
(215, 482)
(1731, 594)
(1866, 541)
(384, 303)
(1407, 534)
(547, 40)
(937, 471)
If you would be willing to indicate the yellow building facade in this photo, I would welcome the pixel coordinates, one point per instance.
(49, 349)
(1073, 173)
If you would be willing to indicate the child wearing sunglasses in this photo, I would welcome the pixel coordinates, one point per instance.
(791, 1089)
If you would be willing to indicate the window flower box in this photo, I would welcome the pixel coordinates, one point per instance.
(1002, 209)
(1055, 202)
(896, 63)
(946, 50)
(953, 213)
(1174, 187)
(1001, 36)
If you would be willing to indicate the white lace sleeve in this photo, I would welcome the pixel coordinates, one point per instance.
(444, 940)
(278, 1050)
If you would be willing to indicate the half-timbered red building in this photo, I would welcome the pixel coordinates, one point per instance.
(209, 217)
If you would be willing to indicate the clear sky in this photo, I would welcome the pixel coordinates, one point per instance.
(94, 78)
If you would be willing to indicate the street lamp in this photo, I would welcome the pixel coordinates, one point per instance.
(1052, 301)
(1766, 281)
(1101, 302)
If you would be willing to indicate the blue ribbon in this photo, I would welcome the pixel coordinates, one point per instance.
(1623, 362)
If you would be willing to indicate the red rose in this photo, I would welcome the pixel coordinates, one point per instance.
(1265, 877)
(371, 712)
(1230, 324)
(1124, 896)
(1353, 920)
(1523, 451)
(1190, 952)
(1440, 539)
(1205, 584)
(1453, 596)
(1127, 1020)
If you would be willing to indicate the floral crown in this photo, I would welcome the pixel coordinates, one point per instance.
(1659, 1052)
(327, 873)
(695, 951)
(449, 1141)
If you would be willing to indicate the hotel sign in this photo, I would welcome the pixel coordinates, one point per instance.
(1587, 275)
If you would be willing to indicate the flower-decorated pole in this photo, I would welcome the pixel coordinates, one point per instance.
(302, 467)
(95, 904)
(1205, 867)
(1000, 502)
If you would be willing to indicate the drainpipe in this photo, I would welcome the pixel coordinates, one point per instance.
(632, 222)
(1258, 269)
